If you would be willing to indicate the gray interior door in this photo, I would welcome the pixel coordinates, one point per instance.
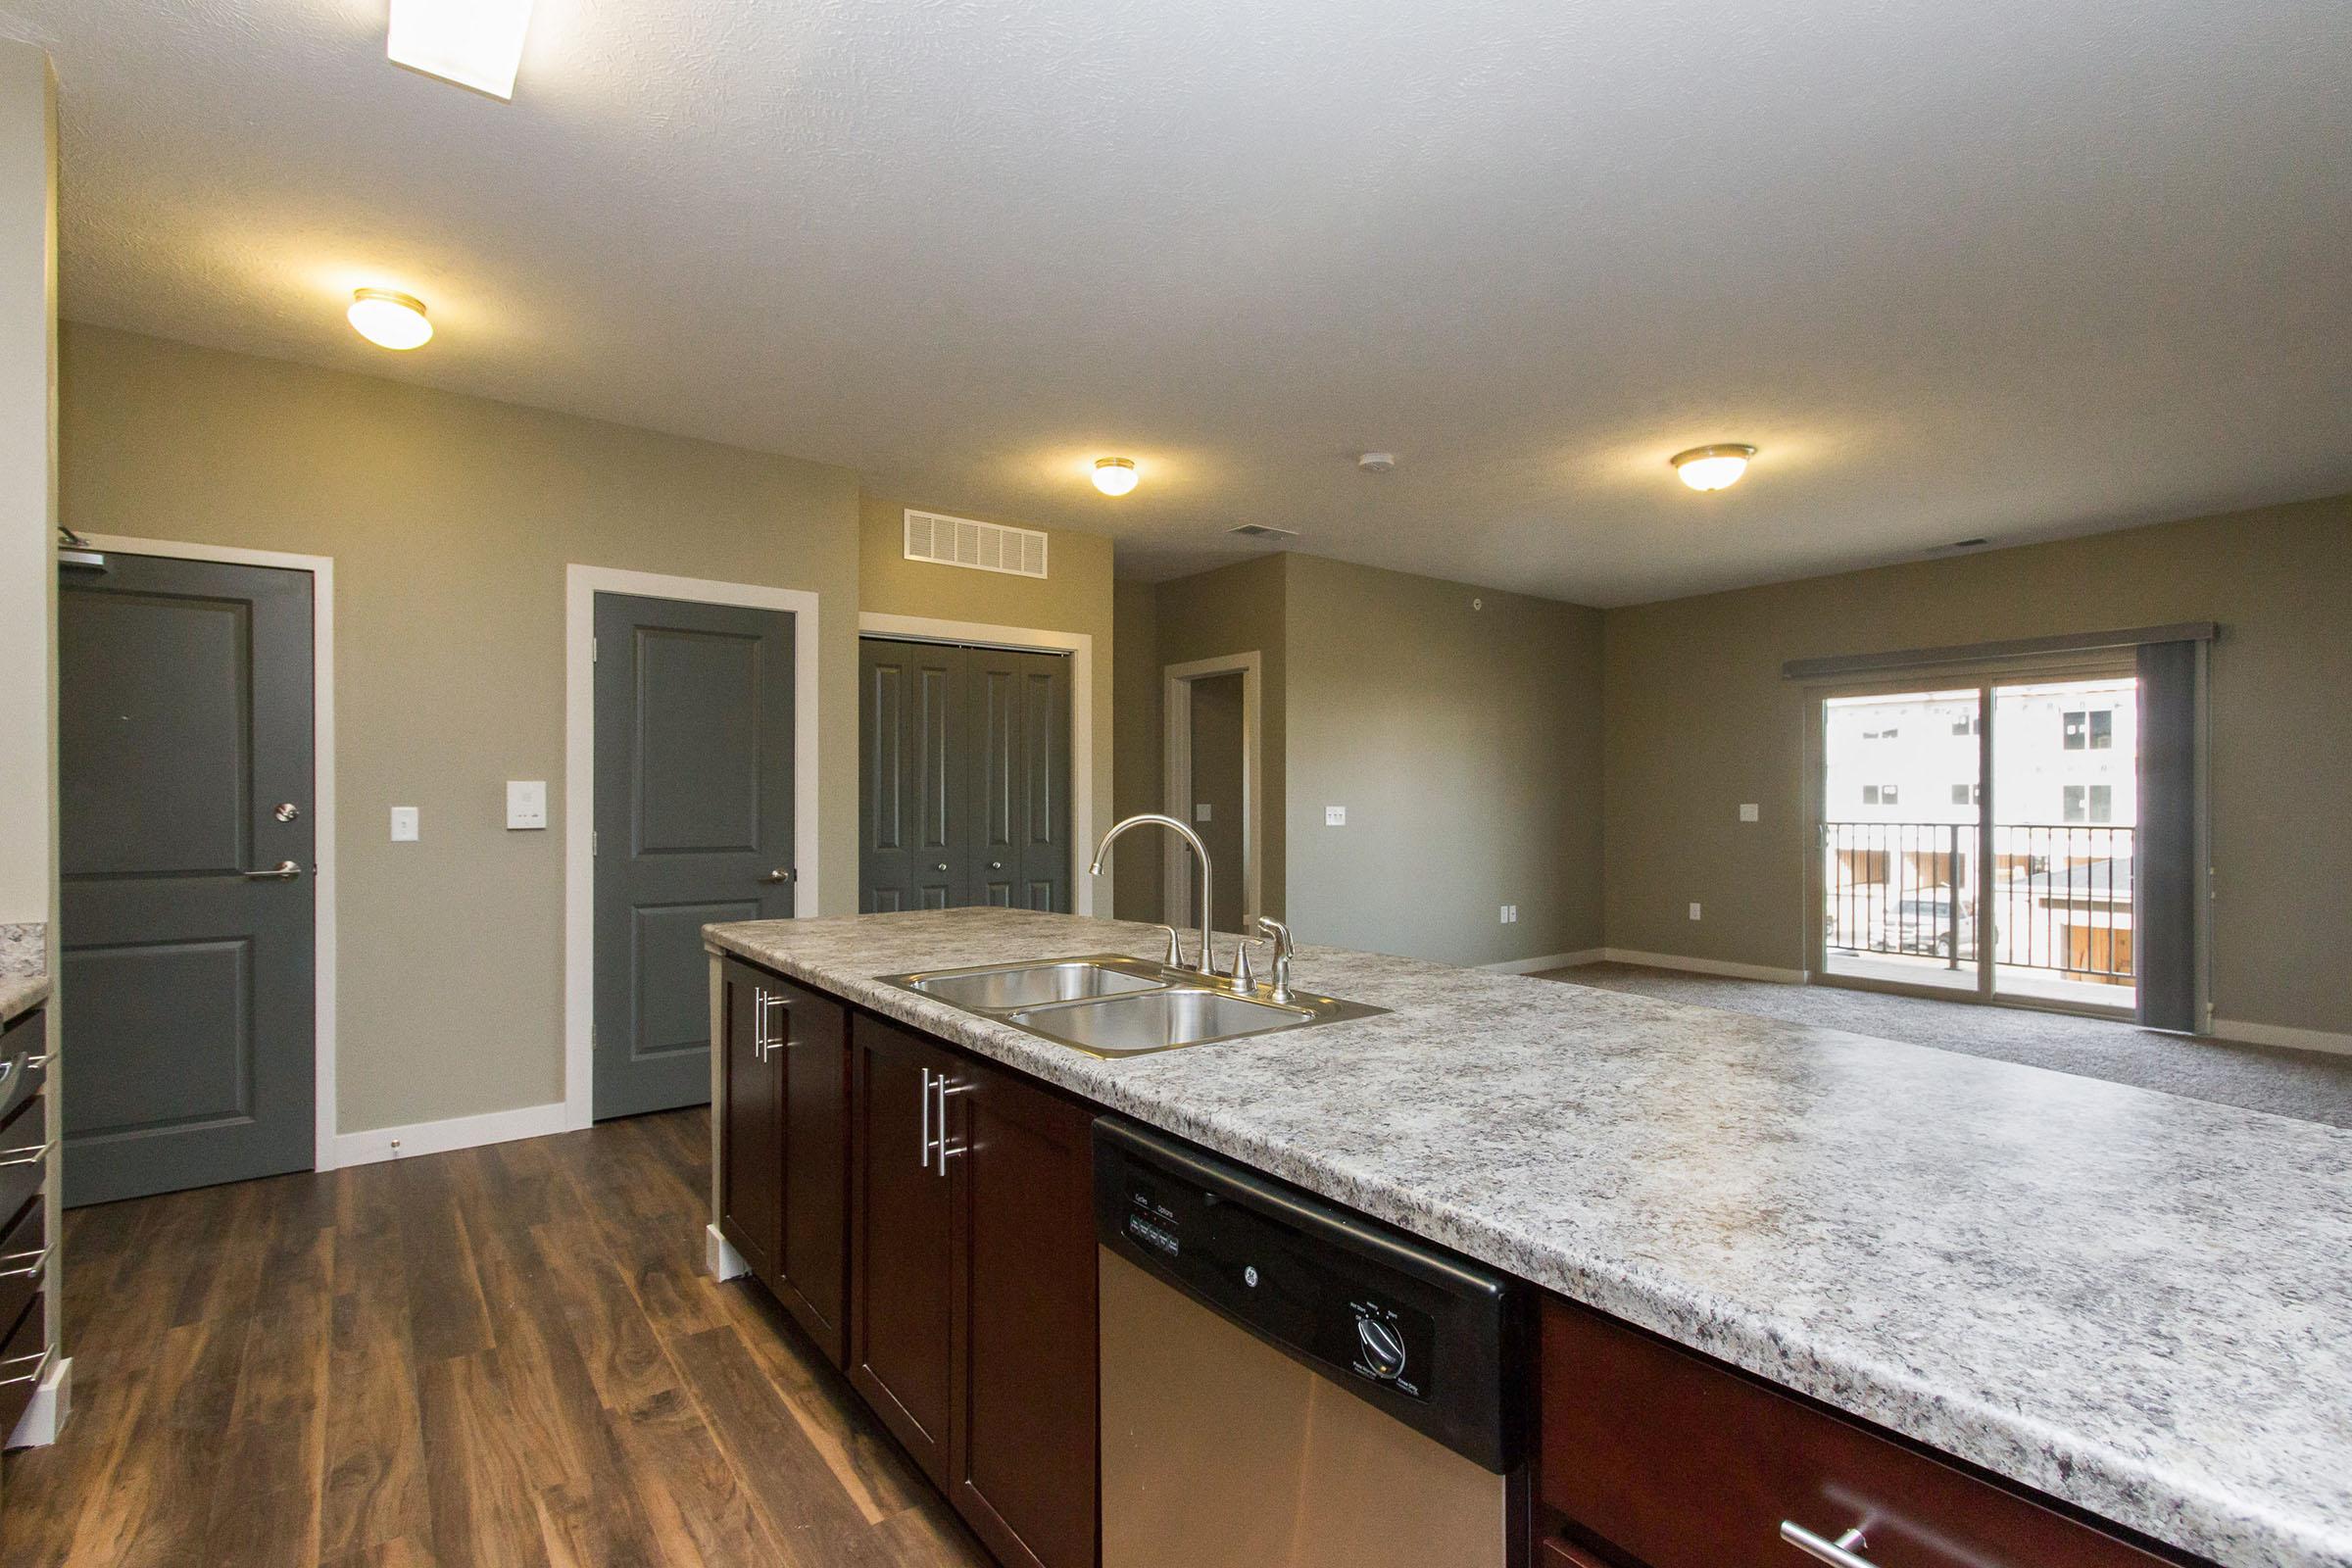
(694, 802)
(963, 777)
(911, 805)
(186, 781)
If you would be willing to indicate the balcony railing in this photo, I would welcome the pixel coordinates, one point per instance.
(2061, 895)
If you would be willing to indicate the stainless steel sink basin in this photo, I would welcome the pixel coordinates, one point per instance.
(1028, 984)
(1157, 1020)
(1108, 1004)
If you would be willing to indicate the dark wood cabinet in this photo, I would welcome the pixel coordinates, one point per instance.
(1024, 1437)
(1675, 1461)
(902, 1239)
(972, 1262)
(813, 1259)
(750, 1182)
(784, 1171)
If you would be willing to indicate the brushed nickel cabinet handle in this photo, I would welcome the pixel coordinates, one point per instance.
(27, 1155)
(283, 871)
(40, 1260)
(1844, 1553)
(923, 1160)
(943, 1089)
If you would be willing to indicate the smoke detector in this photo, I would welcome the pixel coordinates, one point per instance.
(1376, 461)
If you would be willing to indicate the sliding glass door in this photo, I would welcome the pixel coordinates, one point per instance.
(1978, 838)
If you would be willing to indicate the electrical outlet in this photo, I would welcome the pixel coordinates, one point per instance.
(1334, 816)
(1694, 911)
(404, 824)
(1750, 813)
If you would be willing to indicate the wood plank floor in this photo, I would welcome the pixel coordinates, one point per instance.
(504, 1356)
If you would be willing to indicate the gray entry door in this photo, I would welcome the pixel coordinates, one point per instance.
(185, 781)
(694, 802)
(963, 777)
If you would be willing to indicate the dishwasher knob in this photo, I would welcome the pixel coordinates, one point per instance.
(1383, 1348)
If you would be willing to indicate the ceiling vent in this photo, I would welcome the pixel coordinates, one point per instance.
(1258, 530)
(981, 546)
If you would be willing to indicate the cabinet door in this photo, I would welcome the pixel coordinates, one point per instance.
(751, 1193)
(812, 1277)
(1024, 1442)
(900, 1260)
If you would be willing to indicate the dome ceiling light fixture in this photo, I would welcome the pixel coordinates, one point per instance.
(1713, 467)
(1114, 476)
(389, 319)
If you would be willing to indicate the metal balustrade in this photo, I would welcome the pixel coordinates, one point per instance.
(2061, 895)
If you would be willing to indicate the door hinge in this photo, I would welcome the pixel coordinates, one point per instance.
(595, 651)
(592, 844)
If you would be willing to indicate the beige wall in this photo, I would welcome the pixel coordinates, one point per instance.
(28, 479)
(1460, 727)
(451, 520)
(1074, 596)
(1136, 745)
(1699, 721)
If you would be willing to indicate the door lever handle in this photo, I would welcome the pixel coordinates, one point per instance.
(778, 875)
(283, 872)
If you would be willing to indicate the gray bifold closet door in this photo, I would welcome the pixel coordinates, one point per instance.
(963, 777)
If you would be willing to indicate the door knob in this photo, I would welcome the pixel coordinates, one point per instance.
(283, 872)
(941, 866)
(778, 875)
(286, 811)
(996, 866)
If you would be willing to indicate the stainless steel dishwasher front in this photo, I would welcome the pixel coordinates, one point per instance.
(1288, 1386)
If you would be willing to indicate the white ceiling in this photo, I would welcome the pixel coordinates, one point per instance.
(2010, 267)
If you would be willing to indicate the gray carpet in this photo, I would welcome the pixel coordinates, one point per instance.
(2308, 1083)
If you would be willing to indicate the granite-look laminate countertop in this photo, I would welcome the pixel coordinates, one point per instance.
(20, 991)
(2140, 1304)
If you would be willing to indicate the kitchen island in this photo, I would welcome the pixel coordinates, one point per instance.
(2131, 1302)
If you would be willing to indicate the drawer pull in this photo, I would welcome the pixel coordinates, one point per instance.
(1844, 1553)
(41, 1365)
(26, 1156)
(40, 1260)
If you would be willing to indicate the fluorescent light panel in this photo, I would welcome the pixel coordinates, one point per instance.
(474, 43)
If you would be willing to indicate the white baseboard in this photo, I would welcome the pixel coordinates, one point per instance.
(1550, 961)
(1735, 971)
(2274, 1034)
(721, 1258)
(45, 1417)
(440, 1137)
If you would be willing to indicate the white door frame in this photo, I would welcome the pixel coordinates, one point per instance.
(581, 585)
(1178, 707)
(1080, 646)
(322, 805)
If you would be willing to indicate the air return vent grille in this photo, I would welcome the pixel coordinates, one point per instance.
(981, 546)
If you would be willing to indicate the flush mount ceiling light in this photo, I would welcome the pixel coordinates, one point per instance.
(474, 43)
(389, 320)
(1714, 468)
(1114, 476)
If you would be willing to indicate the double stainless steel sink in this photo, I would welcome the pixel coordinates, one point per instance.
(1108, 1004)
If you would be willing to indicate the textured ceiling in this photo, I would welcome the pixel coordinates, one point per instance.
(2012, 268)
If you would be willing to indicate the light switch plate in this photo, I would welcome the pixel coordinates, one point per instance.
(404, 824)
(1694, 911)
(526, 803)
(1750, 813)
(1201, 811)
(1334, 816)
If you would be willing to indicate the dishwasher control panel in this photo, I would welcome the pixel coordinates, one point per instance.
(1410, 1328)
